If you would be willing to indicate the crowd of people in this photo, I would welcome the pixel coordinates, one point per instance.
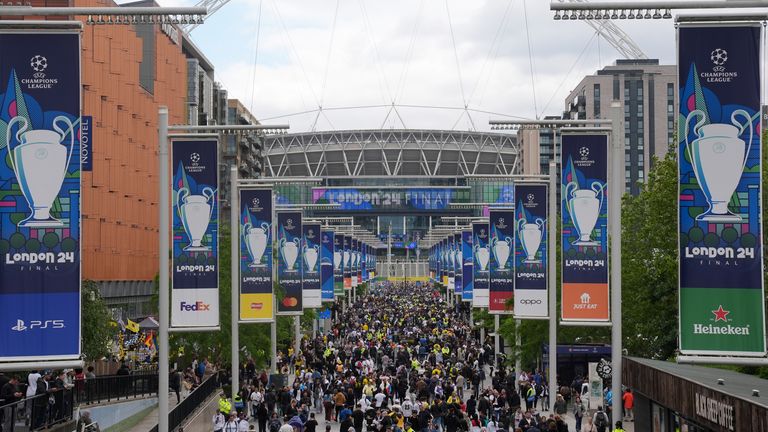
(399, 359)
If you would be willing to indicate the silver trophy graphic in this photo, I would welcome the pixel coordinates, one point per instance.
(530, 238)
(457, 257)
(310, 257)
(40, 163)
(584, 208)
(501, 249)
(346, 259)
(336, 260)
(482, 255)
(256, 242)
(195, 212)
(290, 251)
(718, 157)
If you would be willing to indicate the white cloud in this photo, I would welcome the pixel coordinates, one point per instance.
(368, 59)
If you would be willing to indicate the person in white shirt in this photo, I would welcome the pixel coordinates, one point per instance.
(31, 390)
(218, 422)
(242, 424)
(232, 424)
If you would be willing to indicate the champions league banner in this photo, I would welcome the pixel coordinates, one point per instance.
(311, 289)
(481, 254)
(722, 309)
(444, 263)
(467, 266)
(531, 251)
(40, 190)
(458, 284)
(326, 265)
(338, 276)
(585, 227)
(451, 258)
(289, 263)
(347, 262)
(256, 292)
(502, 225)
(363, 262)
(195, 209)
(354, 259)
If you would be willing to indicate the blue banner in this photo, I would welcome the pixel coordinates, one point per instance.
(289, 263)
(354, 259)
(256, 302)
(347, 262)
(502, 225)
(195, 209)
(326, 265)
(338, 264)
(531, 251)
(584, 195)
(40, 197)
(363, 258)
(722, 298)
(311, 288)
(481, 251)
(467, 266)
(86, 143)
(459, 264)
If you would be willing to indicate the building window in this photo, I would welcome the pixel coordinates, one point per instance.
(596, 101)
(640, 174)
(640, 145)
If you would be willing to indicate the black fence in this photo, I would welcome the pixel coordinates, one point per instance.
(193, 401)
(37, 412)
(115, 387)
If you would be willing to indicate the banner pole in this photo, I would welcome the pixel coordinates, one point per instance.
(614, 223)
(518, 345)
(234, 218)
(496, 345)
(552, 279)
(297, 332)
(273, 324)
(164, 306)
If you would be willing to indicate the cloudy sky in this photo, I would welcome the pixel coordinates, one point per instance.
(415, 53)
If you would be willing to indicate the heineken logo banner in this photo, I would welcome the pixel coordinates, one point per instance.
(722, 307)
(347, 262)
(531, 251)
(289, 263)
(327, 265)
(338, 276)
(256, 296)
(467, 266)
(40, 239)
(584, 227)
(482, 254)
(312, 242)
(502, 225)
(458, 282)
(195, 210)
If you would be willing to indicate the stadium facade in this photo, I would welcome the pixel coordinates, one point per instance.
(406, 180)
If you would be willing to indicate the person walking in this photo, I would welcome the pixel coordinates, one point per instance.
(578, 411)
(600, 420)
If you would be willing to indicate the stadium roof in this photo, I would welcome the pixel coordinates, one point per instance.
(401, 153)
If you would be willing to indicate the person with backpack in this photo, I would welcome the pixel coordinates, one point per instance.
(600, 420)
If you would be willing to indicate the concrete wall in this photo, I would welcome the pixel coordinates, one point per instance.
(108, 415)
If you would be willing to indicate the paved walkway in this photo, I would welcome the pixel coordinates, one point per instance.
(148, 422)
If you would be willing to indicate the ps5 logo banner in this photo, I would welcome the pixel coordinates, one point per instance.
(256, 304)
(40, 189)
(195, 210)
(719, 206)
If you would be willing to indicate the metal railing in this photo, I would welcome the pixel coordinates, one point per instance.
(193, 401)
(115, 387)
(37, 412)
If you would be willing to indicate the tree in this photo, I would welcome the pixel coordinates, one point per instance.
(98, 328)
(649, 263)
